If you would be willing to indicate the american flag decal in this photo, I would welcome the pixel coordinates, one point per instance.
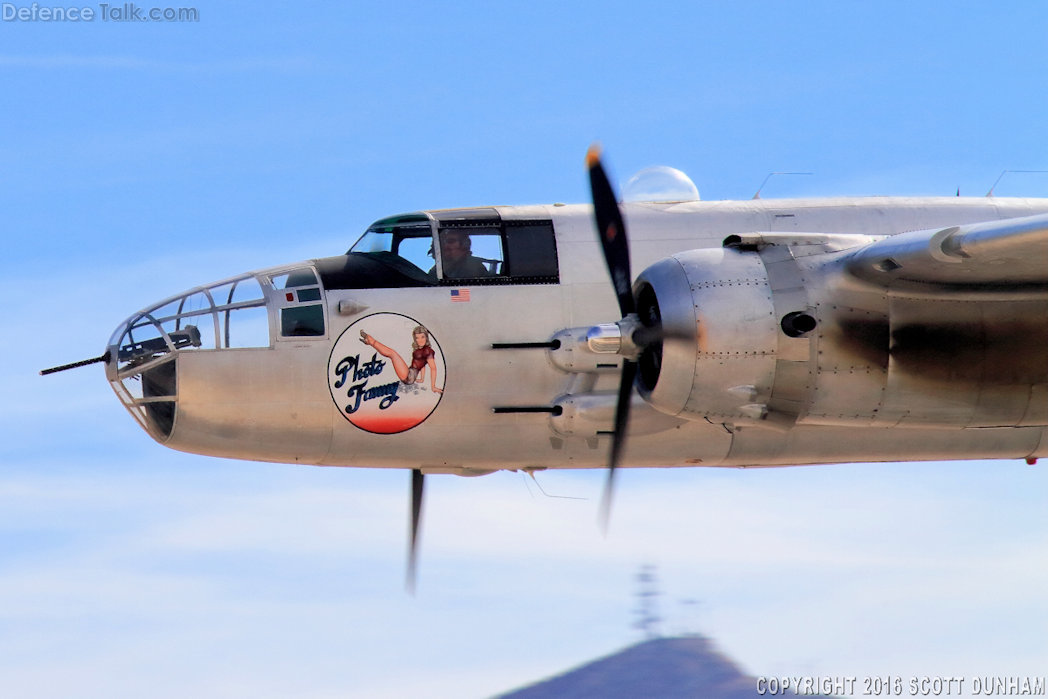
(460, 294)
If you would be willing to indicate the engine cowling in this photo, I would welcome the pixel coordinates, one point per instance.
(773, 330)
(716, 359)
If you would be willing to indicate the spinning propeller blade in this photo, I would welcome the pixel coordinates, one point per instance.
(618, 437)
(612, 232)
(615, 245)
(417, 484)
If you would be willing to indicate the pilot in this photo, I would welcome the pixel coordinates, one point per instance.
(457, 258)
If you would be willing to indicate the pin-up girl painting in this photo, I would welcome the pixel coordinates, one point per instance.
(384, 390)
(421, 358)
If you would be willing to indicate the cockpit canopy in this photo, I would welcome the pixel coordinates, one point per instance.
(446, 247)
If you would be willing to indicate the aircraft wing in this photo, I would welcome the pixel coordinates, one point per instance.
(1009, 256)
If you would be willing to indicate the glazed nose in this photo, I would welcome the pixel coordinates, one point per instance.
(142, 369)
(143, 352)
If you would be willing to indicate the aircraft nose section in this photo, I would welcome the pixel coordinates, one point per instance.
(141, 366)
(144, 351)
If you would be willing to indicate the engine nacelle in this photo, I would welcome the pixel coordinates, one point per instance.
(717, 358)
(773, 330)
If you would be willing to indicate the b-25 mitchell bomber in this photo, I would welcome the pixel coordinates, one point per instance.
(757, 333)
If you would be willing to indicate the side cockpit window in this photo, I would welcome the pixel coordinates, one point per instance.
(514, 252)
(301, 307)
(470, 253)
(531, 252)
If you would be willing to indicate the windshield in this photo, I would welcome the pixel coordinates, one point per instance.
(399, 239)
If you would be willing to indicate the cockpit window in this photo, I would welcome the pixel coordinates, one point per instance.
(408, 237)
(515, 252)
(531, 252)
(470, 253)
(412, 244)
(301, 307)
(295, 279)
(473, 246)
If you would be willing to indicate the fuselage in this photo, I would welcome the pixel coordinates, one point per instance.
(296, 363)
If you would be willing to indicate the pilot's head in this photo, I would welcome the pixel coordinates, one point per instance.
(454, 245)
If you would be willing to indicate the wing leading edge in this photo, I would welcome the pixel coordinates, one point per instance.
(998, 256)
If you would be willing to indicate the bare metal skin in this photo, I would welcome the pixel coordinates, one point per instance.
(795, 332)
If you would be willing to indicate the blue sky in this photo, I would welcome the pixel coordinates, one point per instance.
(142, 159)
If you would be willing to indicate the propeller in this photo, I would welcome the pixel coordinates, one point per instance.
(612, 232)
(418, 481)
(614, 242)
